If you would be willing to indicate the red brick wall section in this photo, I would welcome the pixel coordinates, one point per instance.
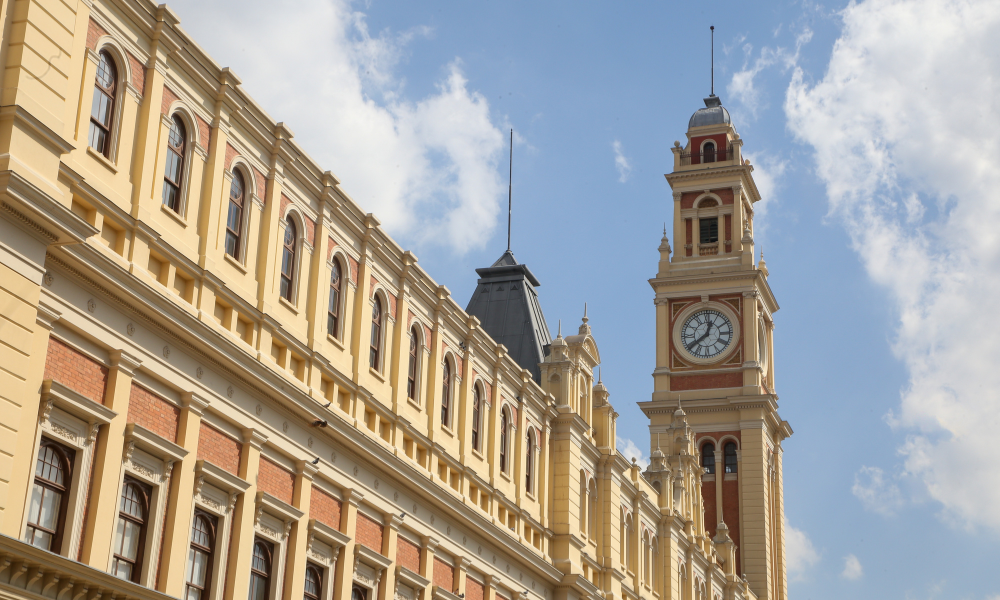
(408, 554)
(310, 231)
(720, 147)
(704, 382)
(138, 74)
(444, 574)
(231, 153)
(372, 283)
(152, 412)
(473, 589)
(731, 512)
(354, 269)
(261, 183)
(219, 449)
(79, 373)
(285, 201)
(275, 480)
(369, 532)
(94, 33)
(708, 496)
(169, 97)
(331, 244)
(204, 133)
(325, 508)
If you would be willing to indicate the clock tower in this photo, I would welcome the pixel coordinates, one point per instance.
(714, 347)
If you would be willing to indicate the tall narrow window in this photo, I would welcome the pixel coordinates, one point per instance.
(130, 532)
(288, 259)
(102, 110)
(333, 309)
(411, 370)
(446, 394)
(708, 151)
(359, 593)
(708, 458)
(314, 583)
(260, 570)
(729, 454)
(504, 422)
(593, 510)
(199, 567)
(476, 410)
(234, 219)
(173, 173)
(376, 346)
(47, 511)
(529, 463)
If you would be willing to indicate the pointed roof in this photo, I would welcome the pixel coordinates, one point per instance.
(506, 304)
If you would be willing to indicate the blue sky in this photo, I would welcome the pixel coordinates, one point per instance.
(865, 122)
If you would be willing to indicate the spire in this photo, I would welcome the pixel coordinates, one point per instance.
(585, 328)
(559, 333)
(713, 61)
(599, 374)
(510, 186)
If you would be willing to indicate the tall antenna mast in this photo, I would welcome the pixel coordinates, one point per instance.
(510, 183)
(713, 58)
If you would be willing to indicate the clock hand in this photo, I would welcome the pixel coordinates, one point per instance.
(697, 341)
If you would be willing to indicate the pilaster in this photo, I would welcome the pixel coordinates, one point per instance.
(238, 574)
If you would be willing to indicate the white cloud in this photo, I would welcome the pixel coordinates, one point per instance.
(876, 492)
(768, 171)
(852, 568)
(621, 162)
(902, 125)
(743, 86)
(799, 551)
(629, 450)
(428, 166)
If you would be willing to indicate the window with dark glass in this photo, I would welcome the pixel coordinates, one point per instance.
(173, 173)
(708, 458)
(446, 394)
(130, 532)
(359, 593)
(314, 583)
(504, 422)
(47, 510)
(288, 259)
(729, 455)
(234, 219)
(476, 409)
(376, 345)
(709, 230)
(411, 371)
(708, 152)
(529, 463)
(333, 308)
(260, 570)
(102, 110)
(199, 567)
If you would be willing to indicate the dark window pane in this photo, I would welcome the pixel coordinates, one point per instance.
(709, 230)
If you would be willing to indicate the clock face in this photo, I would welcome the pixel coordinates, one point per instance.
(706, 334)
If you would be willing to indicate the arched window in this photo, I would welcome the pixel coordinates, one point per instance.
(376, 347)
(173, 173)
(199, 567)
(234, 219)
(529, 463)
(130, 532)
(102, 110)
(47, 511)
(288, 259)
(260, 571)
(729, 454)
(476, 412)
(446, 394)
(584, 505)
(708, 458)
(314, 583)
(647, 559)
(411, 369)
(708, 151)
(333, 308)
(504, 425)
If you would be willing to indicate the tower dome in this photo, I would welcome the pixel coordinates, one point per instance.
(713, 114)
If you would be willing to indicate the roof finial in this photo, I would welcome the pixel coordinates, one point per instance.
(664, 229)
(713, 59)
(559, 334)
(598, 374)
(585, 319)
(510, 184)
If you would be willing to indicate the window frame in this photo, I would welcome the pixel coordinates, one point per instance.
(735, 456)
(184, 154)
(376, 344)
(236, 234)
(447, 384)
(413, 366)
(115, 96)
(705, 155)
(312, 567)
(215, 494)
(208, 551)
(146, 505)
(705, 456)
(505, 420)
(287, 291)
(256, 574)
(477, 418)
(334, 303)
(66, 456)
(529, 461)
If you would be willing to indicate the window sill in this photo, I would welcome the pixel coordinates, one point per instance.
(376, 374)
(235, 263)
(414, 404)
(448, 430)
(477, 454)
(505, 476)
(708, 477)
(530, 496)
(173, 215)
(104, 160)
(731, 477)
(333, 340)
(288, 305)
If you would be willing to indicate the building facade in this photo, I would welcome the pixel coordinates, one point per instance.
(223, 380)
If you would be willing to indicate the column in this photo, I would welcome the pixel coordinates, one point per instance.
(104, 499)
(388, 585)
(461, 570)
(298, 538)
(176, 534)
(345, 563)
(427, 566)
(238, 572)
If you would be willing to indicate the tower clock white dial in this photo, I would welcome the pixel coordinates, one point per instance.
(706, 334)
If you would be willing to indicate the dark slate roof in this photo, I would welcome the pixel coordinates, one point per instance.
(713, 113)
(506, 304)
